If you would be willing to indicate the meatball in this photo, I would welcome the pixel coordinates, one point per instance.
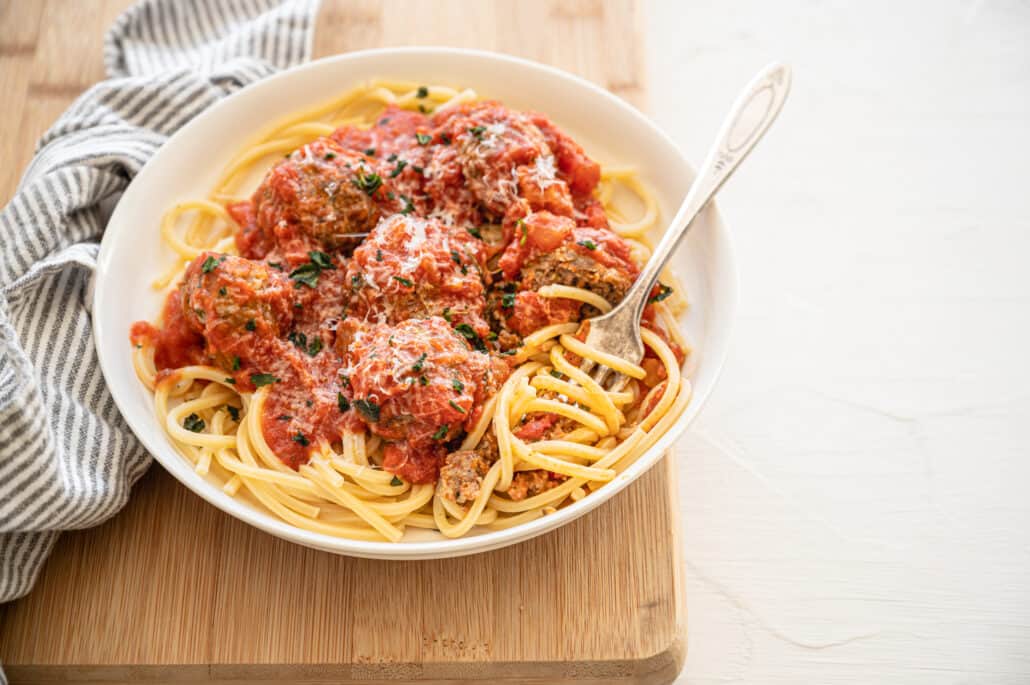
(417, 384)
(314, 199)
(571, 266)
(492, 142)
(530, 483)
(225, 296)
(461, 476)
(411, 267)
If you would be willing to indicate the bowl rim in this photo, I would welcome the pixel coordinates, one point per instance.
(161, 449)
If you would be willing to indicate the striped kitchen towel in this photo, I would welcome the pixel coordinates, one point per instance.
(67, 458)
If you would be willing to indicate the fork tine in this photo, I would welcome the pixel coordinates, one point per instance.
(618, 382)
(600, 374)
(587, 365)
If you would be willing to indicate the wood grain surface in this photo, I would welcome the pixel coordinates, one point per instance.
(173, 589)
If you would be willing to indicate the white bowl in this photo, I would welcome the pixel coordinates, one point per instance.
(611, 131)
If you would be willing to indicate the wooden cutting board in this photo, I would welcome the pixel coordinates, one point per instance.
(172, 589)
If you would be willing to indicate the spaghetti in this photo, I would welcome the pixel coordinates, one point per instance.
(385, 334)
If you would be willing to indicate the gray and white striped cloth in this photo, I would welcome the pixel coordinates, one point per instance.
(67, 458)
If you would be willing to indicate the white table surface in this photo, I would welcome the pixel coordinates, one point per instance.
(854, 496)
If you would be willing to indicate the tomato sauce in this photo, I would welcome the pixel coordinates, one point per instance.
(360, 294)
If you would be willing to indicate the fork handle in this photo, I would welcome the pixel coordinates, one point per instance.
(752, 114)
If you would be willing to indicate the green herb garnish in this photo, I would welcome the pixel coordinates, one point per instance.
(368, 409)
(260, 379)
(440, 433)
(663, 292)
(300, 440)
(342, 402)
(419, 363)
(467, 332)
(193, 423)
(422, 92)
(588, 244)
(508, 300)
(399, 168)
(456, 406)
(210, 263)
(368, 182)
(423, 139)
(404, 281)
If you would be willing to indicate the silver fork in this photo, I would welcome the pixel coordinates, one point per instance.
(618, 331)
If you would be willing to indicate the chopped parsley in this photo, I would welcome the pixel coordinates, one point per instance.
(469, 334)
(399, 168)
(423, 139)
(425, 110)
(475, 232)
(447, 314)
(663, 292)
(441, 433)
(508, 300)
(555, 373)
(301, 341)
(342, 402)
(392, 157)
(588, 244)
(321, 260)
(368, 182)
(396, 481)
(230, 381)
(368, 409)
(356, 281)
(422, 92)
(419, 363)
(456, 406)
(235, 363)
(445, 139)
(478, 131)
(193, 423)
(234, 412)
(404, 281)
(260, 379)
(330, 155)
(457, 385)
(379, 255)
(250, 325)
(210, 263)
(307, 274)
(384, 121)
(300, 440)
(276, 265)
(455, 257)
(371, 152)
(417, 169)
(284, 417)
(408, 207)
(222, 291)
(423, 381)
